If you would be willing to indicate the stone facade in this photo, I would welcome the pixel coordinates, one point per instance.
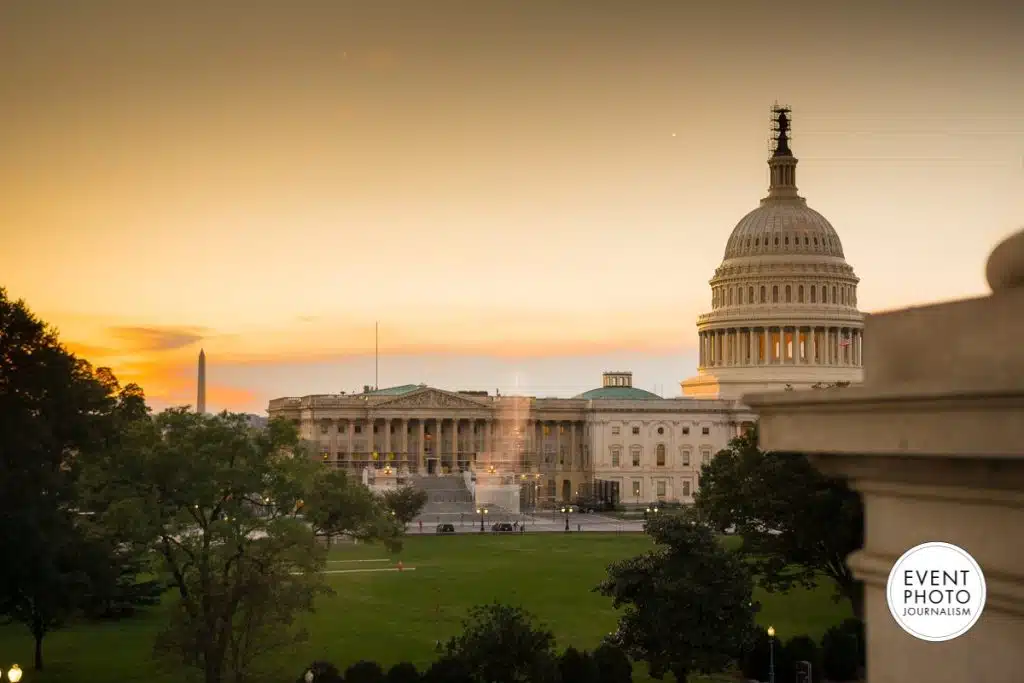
(652, 447)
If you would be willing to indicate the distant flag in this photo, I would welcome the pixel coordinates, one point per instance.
(844, 342)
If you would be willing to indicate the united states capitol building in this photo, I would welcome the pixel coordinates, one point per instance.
(783, 315)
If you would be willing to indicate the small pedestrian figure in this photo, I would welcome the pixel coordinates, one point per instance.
(522, 529)
(421, 526)
(579, 527)
(515, 526)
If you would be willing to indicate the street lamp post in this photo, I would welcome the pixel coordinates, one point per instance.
(567, 510)
(14, 673)
(483, 513)
(771, 654)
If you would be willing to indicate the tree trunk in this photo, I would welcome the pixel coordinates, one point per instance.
(39, 650)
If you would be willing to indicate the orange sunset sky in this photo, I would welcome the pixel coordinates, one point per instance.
(523, 193)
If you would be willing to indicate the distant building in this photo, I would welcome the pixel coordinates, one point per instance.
(783, 316)
(257, 421)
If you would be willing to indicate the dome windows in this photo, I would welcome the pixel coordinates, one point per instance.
(763, 298)
(789, 294)
(750, 295)
(814, 294)
(800, 294)
(775, 294)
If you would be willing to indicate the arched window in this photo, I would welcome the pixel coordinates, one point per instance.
(842, 295)
(789, 294)
(800, 294)
(750, 295)
(824, 294)
(660, 454)
(762, 294)
(834, 300)
(739, 295)
(775, 294)
(729, 296)
(787, 240)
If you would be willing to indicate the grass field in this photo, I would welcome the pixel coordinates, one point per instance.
(395, 616)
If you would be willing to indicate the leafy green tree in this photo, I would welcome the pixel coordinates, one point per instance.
(339, 505)
(795, 523)
(504, 644)
(405, 502)
(54, 409)
(219, 504)
(688, 604)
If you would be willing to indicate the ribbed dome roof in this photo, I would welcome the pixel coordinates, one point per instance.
(631, 393)
(783, 226)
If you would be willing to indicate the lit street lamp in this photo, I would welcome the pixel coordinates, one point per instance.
(483, 513)
(14, 674)
(567, 510)
(771, 654)
(652, 510)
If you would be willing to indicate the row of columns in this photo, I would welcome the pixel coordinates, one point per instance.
(781, 345)
(541, 443)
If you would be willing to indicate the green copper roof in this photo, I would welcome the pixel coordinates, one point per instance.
(395, 391)
(622, 393)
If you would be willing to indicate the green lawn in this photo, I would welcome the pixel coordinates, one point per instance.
(392, 616)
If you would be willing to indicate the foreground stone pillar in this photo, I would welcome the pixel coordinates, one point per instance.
(934, 442)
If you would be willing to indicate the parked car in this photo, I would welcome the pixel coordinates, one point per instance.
(502, 527)
(446, 528)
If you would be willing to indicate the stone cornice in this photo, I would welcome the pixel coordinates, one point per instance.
(899, 420)
(805, 315)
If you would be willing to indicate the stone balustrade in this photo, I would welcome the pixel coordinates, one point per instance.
(933, 440)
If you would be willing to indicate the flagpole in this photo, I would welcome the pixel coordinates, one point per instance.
(376, 355)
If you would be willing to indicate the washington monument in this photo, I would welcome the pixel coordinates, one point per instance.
(201, 393)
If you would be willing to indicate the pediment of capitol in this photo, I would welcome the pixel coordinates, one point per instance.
(431, 398)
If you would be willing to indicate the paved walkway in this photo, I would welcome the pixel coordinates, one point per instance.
(546, 523)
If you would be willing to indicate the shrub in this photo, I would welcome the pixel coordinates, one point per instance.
(840, 654)
(755, 663)
(855, 627)
(799, 649)
(403, 672)
(364, 672)
(577, 667)
(447, 670)
(613, 665)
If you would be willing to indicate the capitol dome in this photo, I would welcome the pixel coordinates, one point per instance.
(781, 227)
(783, 301)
